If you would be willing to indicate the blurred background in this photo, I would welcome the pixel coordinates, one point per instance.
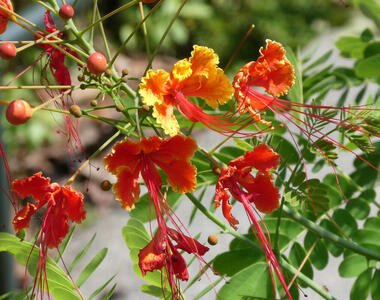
(41, 144)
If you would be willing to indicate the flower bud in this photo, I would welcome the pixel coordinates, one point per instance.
(18, 112)
(8, 51)
(105, 185)
(97, 63)
(212, 239)
(75, 111)
(66, 12)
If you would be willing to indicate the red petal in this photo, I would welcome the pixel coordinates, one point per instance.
(127, 188)
(152, 256)
(36, 186)
(22, 219)
(55, 227)
(73, 204)
(265, 194)
(186, 243)
(173, 158)
(179, 265)
(261, 158)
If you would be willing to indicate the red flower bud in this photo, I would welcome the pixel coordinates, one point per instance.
(18, 112)
(66, 12)
(8, 50)
(97, 63)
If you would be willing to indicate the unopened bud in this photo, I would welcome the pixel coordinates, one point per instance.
(80, 77)
(18, 112)
(212, 239)
(75, 111)
(125, 79)
(105, 185)
(124, 72)
(145, 107)
(82, 86)
(119, 107)
(216, 170)
(94, 102)
(108, 72)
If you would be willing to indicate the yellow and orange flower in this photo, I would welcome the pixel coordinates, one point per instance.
(197, 76)
(128, 159)
(4, 16)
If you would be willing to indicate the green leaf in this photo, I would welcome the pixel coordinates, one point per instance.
(319, 257)
(368, 67)
(283, 147)
(371, 9)
(208, 288)
(372, 224)
(296, 92)
(27, 254)
(229, 263)
(253, 281)
(243, 145)
(91, 267)
(359, 208)
(142, 209)
(135, 235)
(320, 60)
(101, 288)
(110, 293)
(345, 221)
(155, 291)
(366, 236)
(372, 49)
(226, 154)
(375, 285)
(81, 254)
(152, 277)
(351, 46)
(352, 266)
(362, 285)
(332, 247)
(63, 245)
(296, 256)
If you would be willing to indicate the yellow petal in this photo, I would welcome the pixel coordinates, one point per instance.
(203, 61)
(181, 70)
(153, 87)
(165, 117)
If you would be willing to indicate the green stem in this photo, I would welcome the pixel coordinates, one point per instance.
(103, 35)
(227, 229)
(320, 231)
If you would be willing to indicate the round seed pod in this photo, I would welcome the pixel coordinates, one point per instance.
(212, 239)
(8, 51)
(97, 63)
(75, 111)
(18, 112)
(124, 72)
(105, 185)
(94, 103)
(66, 12)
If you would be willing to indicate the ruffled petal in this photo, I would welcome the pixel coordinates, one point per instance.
(72, 204)
(153, 87)
(173, 158)
(127, 188)
(181, 70)
(265, 194)
(272, 71)
(261, 158)
(152, 256)
(55, 227)
(164, 115)
(22, 219)
(151, 145)
(36, 186)
(124, 153)
(203, 61)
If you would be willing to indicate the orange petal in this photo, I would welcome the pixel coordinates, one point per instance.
(22, 219)
(153, 87)
(272, 71)
(164, 115)
(55, 227)
(36, 186)
(151, 145)
(261, 158)
(124, 153)
(127, 188)
(173, 158)
(203, 61)
(266, 196)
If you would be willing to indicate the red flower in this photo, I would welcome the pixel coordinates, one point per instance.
(274, 73)
(161, 253)
(236, 178)
(129, 159)
(172, 155)
(62, 203)
(4, 16)
(259, 189)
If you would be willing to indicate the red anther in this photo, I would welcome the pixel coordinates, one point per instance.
(8, 50)
(97, 63)
(66, 12)
(18, 112)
